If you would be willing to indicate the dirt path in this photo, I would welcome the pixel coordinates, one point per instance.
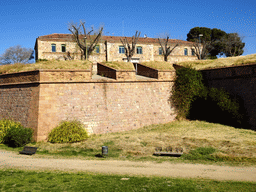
(14, 160)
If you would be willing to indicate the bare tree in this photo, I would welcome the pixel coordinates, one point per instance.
(233, 45)
(129, 50)
(166, 48)
(85, 40)
(202, 49)
(17, 54)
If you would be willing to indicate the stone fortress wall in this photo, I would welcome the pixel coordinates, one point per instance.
(41, 99)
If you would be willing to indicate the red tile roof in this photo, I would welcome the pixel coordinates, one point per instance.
(112, 39)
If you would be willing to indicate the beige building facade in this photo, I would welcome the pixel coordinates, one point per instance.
(60, 46)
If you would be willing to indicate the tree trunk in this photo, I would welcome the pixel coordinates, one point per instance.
(128, 59)
(166, 58)
(106, 46)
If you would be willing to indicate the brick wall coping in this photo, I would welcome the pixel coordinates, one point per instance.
(46, 70)
(92, 81)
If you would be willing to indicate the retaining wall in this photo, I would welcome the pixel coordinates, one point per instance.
(239, 81)
(101, 105)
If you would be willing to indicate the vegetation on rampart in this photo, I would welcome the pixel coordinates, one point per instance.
(120, 65)
(159, 65)
(44, 64)
(221, 62)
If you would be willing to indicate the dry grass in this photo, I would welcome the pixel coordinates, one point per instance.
(53, 64)
(118, 65)
(222, 62)
(159, 65)
(230, 142)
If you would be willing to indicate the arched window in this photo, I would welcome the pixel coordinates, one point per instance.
(53, 47)
(139, 50)
(63, 48)
(186, 51)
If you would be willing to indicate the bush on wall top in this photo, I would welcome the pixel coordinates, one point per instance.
(68, 132)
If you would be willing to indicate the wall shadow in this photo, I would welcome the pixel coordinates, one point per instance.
(208, 110)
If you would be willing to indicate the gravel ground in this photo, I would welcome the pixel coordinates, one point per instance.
(26, 162)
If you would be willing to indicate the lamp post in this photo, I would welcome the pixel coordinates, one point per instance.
(85, 48)
(200, 35)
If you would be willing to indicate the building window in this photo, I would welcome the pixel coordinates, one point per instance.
(160, 51)
(121, 49)
(192, 52)
(97, 49)
(53, 47)
(63, 48)
(139, 50)
(186, 51)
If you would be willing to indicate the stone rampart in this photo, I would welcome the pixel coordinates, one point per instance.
(43, 101)
(239, 81)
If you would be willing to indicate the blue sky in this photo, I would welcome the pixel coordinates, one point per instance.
(22, 21)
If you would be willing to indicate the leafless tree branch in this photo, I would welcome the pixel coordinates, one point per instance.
(202, 49)
(83, 39)
(166, 48)
(129, 50)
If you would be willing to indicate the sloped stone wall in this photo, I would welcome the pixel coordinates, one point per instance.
(104, 107)
(239, 81)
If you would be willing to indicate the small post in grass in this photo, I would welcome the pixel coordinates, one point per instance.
(104, 150)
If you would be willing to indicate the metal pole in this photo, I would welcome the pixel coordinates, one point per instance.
(200, 46)
(85, 49)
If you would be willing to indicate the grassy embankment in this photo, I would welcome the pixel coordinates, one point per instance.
(54, 64)
(159, 65)
(118, 65)
(202, 142)
(221, 62)
(18, 180)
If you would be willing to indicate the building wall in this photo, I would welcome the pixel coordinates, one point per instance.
(150, 52)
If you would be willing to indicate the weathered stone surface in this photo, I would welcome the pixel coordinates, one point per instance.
(101, 105)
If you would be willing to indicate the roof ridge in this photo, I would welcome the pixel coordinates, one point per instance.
(114, 38)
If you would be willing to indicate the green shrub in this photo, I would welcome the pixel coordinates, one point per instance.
(18, 136)
(5, 125)
(188, 84)
(68, 132)
(193, 100)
